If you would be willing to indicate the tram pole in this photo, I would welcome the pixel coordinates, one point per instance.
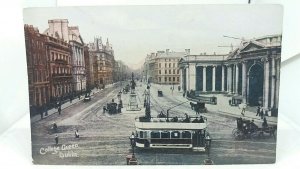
(174, 107)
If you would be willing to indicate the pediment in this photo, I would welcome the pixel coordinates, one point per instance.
(251, 46)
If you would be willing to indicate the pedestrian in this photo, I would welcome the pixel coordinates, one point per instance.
(261, 114)
(258, 111)
(243, 106)
(201, 120)
(54, 127)
(46, 110)
(56, 139)
(78, 97)
(59, 110)
(183, 94)
(104, 109)
(41, 113)
(76, 134)
(265, 123)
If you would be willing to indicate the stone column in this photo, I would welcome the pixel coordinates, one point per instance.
(273, 83)
(192, 77)
(187, 78)
(277, 82)
(214, 79)
(244, 81)
(204, 78)
(223, 78)
(229, 77)
(181, 78)
(236, 78)
(266, 83)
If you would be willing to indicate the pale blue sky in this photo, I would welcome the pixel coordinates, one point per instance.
(135, 31)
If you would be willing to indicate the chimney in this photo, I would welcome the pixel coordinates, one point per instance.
(187, 51)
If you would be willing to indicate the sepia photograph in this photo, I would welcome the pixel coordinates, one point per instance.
(153, 84)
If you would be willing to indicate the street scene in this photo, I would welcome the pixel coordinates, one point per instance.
(153, 101)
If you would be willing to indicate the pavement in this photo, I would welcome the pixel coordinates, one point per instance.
(67, 104)
(222, 106)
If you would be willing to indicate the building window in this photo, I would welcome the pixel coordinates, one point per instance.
(159, 79)
(173, 64)
(177, 79)
(159, 72)
(169, 64)
(165, 71)
(166, 79)
(170, 79)
(173, 79)
(165, 64)
(169, 71)
(159, 65)
(52, 56)
(178, 71)
(173, 71)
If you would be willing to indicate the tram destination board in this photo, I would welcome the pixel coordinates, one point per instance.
(103, 90)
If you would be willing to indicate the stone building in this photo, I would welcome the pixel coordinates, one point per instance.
(38, 75)
(60, 29)
(59, 58)
(251, 71)
(162, 67)
(88, 65)
(102, 60)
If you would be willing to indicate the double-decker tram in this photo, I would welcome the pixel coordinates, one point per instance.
(184, 133)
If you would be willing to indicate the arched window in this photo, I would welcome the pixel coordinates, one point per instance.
(186, 134)
(175, 134)
(165, 134)
(155, 134)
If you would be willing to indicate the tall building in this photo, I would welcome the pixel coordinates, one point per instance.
(38, 75)
(251, 71)
(162, 67)
(102, 59)
(60, 29)
(59, 58)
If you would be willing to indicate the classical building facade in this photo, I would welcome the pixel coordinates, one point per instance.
(162, 67)
(37, 68)
(59, 58)
(60, 29)
(102, 60)
(251, 71)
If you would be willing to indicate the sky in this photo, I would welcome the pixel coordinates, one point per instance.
(135, 31)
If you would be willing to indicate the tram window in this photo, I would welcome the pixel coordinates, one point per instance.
(141, 134)
(175, 134)
(186, 134)
(165, 134)
(155, 134)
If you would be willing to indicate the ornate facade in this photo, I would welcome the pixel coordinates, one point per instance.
(251, 71)
(59, 57)
(37, 68)
(162, 67)
(102, 59)
(60, 29)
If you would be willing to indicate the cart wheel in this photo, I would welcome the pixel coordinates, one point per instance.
(234, 130)
(238, 135)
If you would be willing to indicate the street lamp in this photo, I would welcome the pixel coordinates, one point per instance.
(207, 140)
(132, 142)
(131, 160)
(207, 144)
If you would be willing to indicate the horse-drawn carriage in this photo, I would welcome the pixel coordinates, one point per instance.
(126, 89)
(160, 93)
(247, 129)
(199, 107)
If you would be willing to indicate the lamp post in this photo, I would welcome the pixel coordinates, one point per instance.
(132, 142)
(131, 160)
(207, 140)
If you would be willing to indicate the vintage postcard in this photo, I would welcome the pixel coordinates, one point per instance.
(154, 85)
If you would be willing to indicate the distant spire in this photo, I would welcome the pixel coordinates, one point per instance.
(107, 43)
